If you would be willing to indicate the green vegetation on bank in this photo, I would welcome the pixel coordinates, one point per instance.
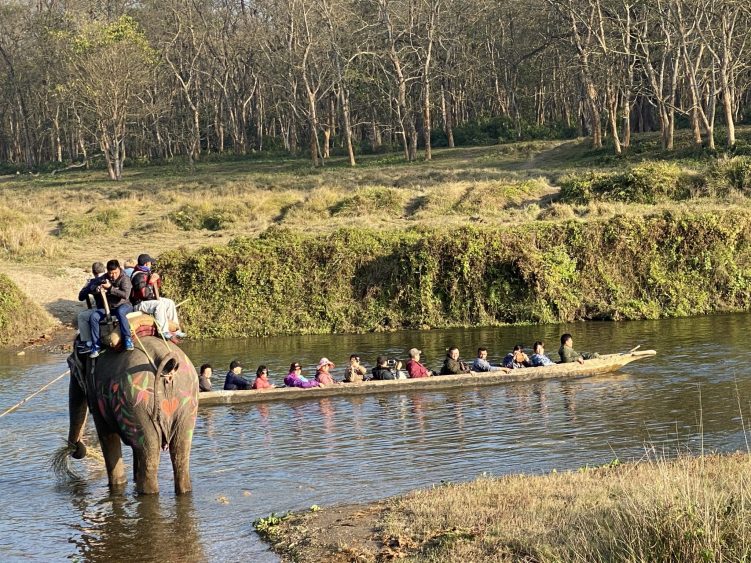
(20, 319)
(669, 263)
(689, 509)
(59, 218)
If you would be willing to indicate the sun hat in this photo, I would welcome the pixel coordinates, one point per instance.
(325, 362)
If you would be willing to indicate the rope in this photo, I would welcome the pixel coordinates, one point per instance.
(143, 349)
(35, 393)
(164, 340)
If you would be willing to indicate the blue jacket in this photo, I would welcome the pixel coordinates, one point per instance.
(234, 382)
(92, 288)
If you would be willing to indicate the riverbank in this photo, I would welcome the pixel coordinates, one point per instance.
(21, 320)
(391, 216)
(664, 264)
(688, 509)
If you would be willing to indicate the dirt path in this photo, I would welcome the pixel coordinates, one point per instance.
(54, 288)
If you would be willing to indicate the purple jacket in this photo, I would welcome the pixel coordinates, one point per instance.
(294, 380)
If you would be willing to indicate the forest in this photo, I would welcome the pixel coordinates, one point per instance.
(108, 82)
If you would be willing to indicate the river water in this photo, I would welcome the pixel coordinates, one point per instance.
(251, 460)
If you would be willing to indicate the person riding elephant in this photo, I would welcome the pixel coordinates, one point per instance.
(148, 398)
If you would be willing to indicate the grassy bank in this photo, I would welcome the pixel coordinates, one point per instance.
(689, 510)
(59, 219)
(20, 319)
(401, 244)
(628, 267)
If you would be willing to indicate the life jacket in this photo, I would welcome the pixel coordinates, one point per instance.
(143, 287)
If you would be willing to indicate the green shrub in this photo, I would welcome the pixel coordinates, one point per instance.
(736, 172)
(193, 217)
(650, 182)
(20, 318)
(358, 280)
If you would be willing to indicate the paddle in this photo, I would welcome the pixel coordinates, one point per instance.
(108, 315)
(634, 349)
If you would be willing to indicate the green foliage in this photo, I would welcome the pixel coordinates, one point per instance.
(649, 182)
(192, 217)
(20, 318)
(358, 280)
(735, 172)
(495, 130)
(267, 527)
(125, 29)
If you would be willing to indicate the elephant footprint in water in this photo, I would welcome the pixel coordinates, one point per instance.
(148, 398)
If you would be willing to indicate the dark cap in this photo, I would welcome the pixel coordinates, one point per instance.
(143, 258)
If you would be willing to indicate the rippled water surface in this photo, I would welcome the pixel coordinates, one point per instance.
(250, 460)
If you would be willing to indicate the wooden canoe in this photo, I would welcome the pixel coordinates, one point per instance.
(604, 364)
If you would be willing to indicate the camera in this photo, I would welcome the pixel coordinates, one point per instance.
(391, 363)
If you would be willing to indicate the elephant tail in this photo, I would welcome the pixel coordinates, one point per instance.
(59, 461)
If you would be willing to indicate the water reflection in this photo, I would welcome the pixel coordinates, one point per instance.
(148, 526)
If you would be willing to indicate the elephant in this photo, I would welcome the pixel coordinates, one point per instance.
(147, 397)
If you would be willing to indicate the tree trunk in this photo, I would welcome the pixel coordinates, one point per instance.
(344, 98)
(426, 129)
(447, 118)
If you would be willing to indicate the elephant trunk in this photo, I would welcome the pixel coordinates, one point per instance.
(77, 411)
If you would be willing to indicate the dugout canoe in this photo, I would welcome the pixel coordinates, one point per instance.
(604, 364)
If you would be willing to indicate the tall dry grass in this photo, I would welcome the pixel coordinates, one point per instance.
(65, 216)
(22, 237)
(687, 509)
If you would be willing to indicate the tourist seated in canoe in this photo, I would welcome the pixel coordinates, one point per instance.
(234, 380)
(323, 372)
(295, 378)
(452, 364)
(386, 369)
(415, 369)
(354, 372)
(262, 379)
(538, 357)
(568, 354)
(517, 359)
(204, 378)
(481, 362)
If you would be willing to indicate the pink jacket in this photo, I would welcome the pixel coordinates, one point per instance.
(324, 378)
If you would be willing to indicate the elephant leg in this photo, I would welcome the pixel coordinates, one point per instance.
(147, 465)
(112, 451)
(179, 451)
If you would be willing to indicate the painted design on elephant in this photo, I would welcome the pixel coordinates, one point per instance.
(123, 400)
